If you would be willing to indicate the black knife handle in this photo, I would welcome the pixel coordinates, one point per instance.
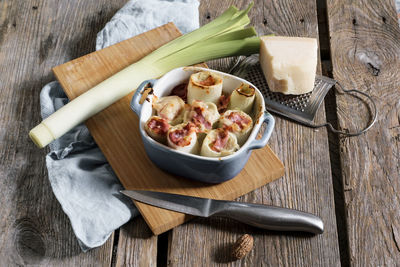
(270, 217)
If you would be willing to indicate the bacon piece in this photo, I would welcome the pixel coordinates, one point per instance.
(241, 121)
(181, 137)
(207, 82)
(181, 91)
(158, 126)
(223, 103)
(220, 141)
(198, 118)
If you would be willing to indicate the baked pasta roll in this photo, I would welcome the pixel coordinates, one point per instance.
(205, 86)
(202, 114)
(183, 137)
(157, 128)
(219, 143)
(170, 108)
(237, 122)
(242, 98)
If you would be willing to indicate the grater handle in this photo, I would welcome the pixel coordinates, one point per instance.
(374, 113)
(262, 142)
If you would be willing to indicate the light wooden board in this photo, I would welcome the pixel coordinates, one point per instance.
(116, 132)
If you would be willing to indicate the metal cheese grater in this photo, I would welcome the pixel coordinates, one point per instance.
(300, 108)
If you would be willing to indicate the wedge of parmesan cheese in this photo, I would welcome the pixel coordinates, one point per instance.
(289, 63)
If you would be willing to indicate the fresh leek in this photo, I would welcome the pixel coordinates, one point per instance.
(225, 36)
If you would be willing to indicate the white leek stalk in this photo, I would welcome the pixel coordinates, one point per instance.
(199, 89)
(157, 128)
(229, 148)
(224, 36)
(170, 108)
(242, 98)
(237, 122)
(188, 142)
(202, 114)
(91, 102)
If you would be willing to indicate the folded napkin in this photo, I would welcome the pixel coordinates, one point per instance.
(80, 176)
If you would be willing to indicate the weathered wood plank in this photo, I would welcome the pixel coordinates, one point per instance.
(365, 51)
(137, 246)
(307, 184)
(34, 37)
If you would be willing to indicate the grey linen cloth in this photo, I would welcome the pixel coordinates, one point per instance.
(80, 176)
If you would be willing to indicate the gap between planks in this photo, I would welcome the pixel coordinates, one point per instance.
(114, 252)
(333, 139)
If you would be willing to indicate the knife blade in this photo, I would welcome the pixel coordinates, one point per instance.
(258, 215)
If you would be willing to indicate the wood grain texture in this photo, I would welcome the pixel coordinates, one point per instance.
(38, 35)
(365, 51)
(137, 246)
(307, 184)
(33, 38)
(116, 131)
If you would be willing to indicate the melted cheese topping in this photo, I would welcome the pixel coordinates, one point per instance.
(203, 115)
(169, 108)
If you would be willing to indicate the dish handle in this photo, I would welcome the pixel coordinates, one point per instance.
(135, 105)
(259, 143)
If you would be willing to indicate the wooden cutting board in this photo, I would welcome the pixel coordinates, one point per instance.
(115, 130)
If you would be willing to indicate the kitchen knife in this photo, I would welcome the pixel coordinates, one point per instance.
(262, 216)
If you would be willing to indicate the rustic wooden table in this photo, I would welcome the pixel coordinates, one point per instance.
(352, 183)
